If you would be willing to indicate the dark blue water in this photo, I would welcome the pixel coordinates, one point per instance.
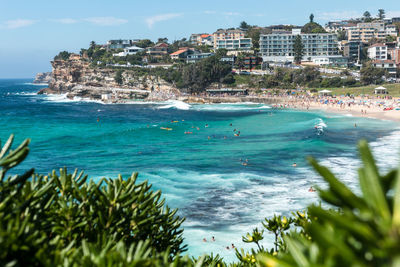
(201, 173)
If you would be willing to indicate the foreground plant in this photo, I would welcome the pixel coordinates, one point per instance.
(362, 230)
(66, 219)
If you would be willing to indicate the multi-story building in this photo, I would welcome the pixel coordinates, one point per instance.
(278, 47)
(353, 50)
(230, 34)
(202, 39)
(395, 56)
(242, 44)
(366, 31)
(378, 52)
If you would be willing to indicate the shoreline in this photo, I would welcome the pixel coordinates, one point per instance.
(351, 106)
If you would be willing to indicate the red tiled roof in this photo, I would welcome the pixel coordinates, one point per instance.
(161, 45)
(205, 35)
(180, 51)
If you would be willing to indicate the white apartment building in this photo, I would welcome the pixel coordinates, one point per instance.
(278, 47)
(233, 34)
(378, 52)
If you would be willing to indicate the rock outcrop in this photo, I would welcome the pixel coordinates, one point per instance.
(76, 78)
(42, 77)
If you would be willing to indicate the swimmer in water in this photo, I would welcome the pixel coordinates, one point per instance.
(212, 239)
(294, 164)
(204, 239)
(311, 189)
(355, 125)
(206, 126)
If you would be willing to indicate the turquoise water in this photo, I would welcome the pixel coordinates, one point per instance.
(200, 173)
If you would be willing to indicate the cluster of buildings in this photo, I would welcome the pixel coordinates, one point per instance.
(377, 40)
(345, 43)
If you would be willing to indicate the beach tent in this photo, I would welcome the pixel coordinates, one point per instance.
(380, 90)
(325, 92)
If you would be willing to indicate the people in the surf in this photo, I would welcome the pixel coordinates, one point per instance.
(311, 189)
(294, 164)
(213, 239)
(204, 239)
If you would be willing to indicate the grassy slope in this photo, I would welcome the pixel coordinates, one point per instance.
(393, 89)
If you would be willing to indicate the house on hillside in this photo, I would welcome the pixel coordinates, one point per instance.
(388, 65)
(182, 53)
(193, 58)
(159, 50)
(131, 50)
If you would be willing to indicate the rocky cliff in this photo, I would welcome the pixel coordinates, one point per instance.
(42, 77)
(77, 78)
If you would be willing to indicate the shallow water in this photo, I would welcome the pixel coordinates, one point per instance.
(200, 173)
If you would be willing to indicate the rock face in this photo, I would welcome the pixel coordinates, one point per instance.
(77, 78)
(42, 77)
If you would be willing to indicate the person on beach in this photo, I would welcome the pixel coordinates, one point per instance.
(213, 239)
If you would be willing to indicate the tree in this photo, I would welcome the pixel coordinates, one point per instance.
(64, 55)
(244, 26)
(298, 49)
(162, 40)
(118, 77)
(92, 45)
(381, 14)
(371, 75)
(342, 35)
(312, 18)
(144, 43)
(367, 16)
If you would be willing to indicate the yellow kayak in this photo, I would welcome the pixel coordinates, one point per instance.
(165, 128)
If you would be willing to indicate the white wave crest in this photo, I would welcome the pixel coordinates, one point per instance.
(176, 104)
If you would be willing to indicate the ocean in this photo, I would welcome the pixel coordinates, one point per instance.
(201, 173)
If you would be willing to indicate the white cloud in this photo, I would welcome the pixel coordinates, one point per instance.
(210, 12)
(17, 23)
(150, 21)
(231, 14)
(337, 15)
(106, 21)
(65, 21)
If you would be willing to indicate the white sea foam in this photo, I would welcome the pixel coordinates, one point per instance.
(175, 104)
(62, 98)
(229, 107)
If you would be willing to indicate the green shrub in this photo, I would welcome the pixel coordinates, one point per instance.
(67, 219)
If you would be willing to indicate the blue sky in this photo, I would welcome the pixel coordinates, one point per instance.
(32, 32)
